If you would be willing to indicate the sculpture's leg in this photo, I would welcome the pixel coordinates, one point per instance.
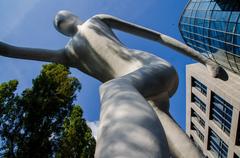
(179, 144)
(129, 127)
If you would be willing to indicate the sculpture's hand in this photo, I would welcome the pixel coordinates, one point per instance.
(214, 69)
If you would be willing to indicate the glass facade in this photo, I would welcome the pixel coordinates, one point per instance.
(217, 146)
(199, 86)
(212, 27)
(221, 113)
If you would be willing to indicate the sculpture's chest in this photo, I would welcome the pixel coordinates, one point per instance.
(99, 35)
(100, 52)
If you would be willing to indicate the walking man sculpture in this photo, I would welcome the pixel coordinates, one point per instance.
(134, 119)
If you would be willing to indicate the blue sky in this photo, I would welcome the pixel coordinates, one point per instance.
(30, 24)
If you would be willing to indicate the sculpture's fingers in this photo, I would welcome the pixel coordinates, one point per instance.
(214, 69)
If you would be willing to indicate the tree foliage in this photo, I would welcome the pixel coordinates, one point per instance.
(35, 123)
(74, 144)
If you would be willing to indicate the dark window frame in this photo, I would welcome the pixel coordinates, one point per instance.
(217, 146)
(199, 86)
(221, 113)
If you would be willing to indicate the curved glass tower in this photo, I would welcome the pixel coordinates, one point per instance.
(212, 27)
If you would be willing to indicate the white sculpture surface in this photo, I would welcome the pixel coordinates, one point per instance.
(134, 119)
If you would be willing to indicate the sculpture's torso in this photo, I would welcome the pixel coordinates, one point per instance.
(96, 51)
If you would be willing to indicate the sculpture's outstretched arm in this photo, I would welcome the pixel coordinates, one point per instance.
(57, 56)
(125, 26)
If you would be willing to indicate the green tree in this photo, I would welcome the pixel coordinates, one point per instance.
(77, 141)
(32, 123)
(10, 116)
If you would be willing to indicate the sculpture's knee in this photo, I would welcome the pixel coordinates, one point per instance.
(161, 101)
(116, 84)
(153, 80)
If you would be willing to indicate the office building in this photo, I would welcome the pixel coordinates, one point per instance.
(212, 27)
(212, 112)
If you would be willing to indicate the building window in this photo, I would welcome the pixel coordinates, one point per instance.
(221, 113)
(199, 119)
(199, 86)
(199, 103)
(198, 132)
(217, 146)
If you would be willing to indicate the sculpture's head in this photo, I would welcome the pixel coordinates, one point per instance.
(66, 22)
